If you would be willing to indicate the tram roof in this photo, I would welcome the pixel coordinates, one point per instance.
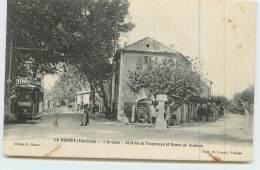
(30, 86)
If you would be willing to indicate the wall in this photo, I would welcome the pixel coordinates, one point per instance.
(128, 62)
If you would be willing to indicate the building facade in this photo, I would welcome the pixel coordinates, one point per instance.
(83, 97)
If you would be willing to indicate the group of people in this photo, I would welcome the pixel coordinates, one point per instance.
(207, 111)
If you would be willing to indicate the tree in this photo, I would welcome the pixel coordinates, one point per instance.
(220, 100)
(101, 23)
(179, 82)
(34, 38)
(82, 33)
(243, 101)
(70, 81)
(135, 83)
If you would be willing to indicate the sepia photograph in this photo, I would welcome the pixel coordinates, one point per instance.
(130, 79)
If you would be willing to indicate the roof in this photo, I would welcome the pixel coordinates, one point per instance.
(147, 44)
(29, 86)
(83, 92)
(152, 46)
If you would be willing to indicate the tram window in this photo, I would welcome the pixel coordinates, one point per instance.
(24, 95)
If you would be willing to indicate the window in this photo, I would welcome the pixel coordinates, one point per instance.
(145, 59)
(147, 45)
(140, 62)
(24, 95)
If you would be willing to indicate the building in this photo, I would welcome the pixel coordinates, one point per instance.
(49, 104)
(132, 57)
(83, 97)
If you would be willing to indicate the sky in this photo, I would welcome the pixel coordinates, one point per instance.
(49, 81)
(221, 35)
(197, 28)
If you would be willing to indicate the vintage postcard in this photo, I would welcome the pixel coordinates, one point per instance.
(130, 79)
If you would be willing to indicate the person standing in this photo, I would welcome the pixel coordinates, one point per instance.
(214, 110)
(221, 112)
(153, 113)
(92, 108)
(208, 111)
(85, 116)
(199, 112)
(13, 105)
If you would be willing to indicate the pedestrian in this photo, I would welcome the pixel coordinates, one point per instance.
(214, 110)
(199, 112)
(92, 108)
(221, 112)
(153, 114)
(85, 116)
(217, 110)
(208, 111)
(13, 106)
(204, 111)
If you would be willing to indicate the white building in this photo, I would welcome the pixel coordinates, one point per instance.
(83, 97)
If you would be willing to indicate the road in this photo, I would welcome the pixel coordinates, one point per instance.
(227, 130)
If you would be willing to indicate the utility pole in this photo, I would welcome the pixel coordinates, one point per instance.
(115, 43)
(10, 67)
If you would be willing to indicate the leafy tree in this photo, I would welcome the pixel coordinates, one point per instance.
(243, 101)
(70, 81)
(177, 81)
(31, 30)
(82, 33)
(101, 23)
(34, 38)
(135, 83)
(220, 100)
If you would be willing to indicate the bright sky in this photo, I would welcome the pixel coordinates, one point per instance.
(49, 81)
(227, 50)
(231, 44)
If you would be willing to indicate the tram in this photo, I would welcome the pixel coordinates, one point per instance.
(26, 101)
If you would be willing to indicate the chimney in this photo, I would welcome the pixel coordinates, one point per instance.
(172, 47)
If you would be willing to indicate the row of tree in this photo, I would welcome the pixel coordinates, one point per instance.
(243, 101)
(69, 82)
(79, 33)
(183, 83)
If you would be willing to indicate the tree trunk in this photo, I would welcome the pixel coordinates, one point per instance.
(132, 118)
(114, 111)
(107, 109)
(102, 94)
(149, 117)
(92, 96)
(35, 69)
(175, 106)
